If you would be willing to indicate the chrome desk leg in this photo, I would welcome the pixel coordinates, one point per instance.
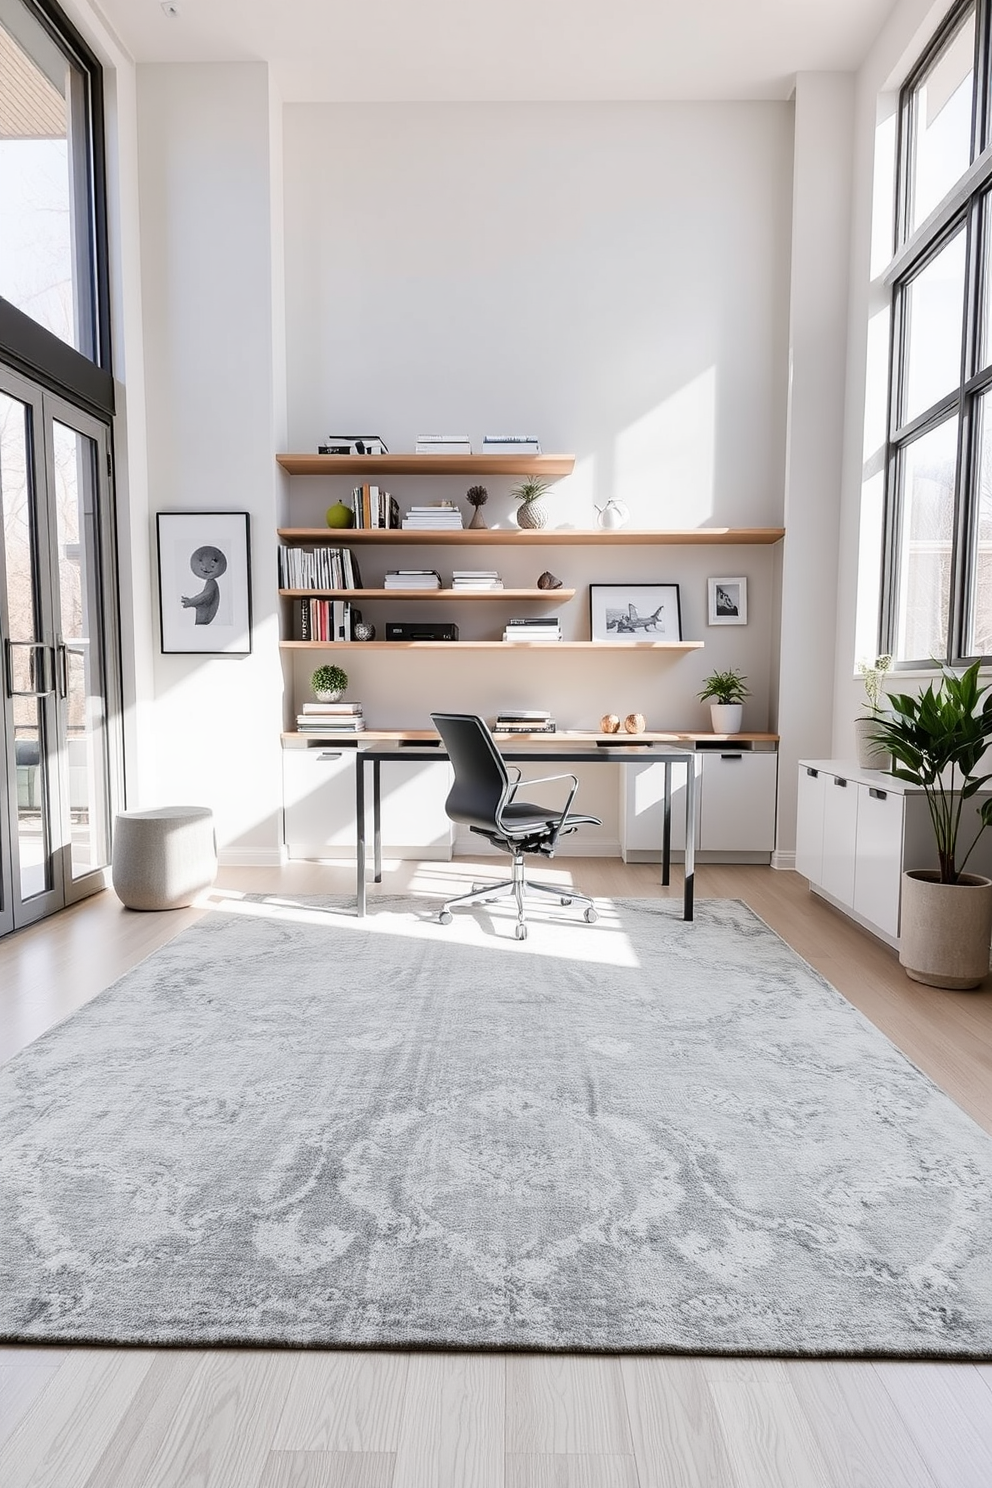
(666, 831)
(376, 822)
(360, 834)
(690, 839)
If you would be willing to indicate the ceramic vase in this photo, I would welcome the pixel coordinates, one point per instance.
(870, 756)
(726, 717)
(532, 514)
(328, 697)
(945, 929)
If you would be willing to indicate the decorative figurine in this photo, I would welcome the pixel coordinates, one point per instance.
(363, 630)
(612, 515)
(548, 581)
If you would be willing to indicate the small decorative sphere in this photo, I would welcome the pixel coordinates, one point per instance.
(363, 630)
(635, 723)
(339, 515)
(609, 723)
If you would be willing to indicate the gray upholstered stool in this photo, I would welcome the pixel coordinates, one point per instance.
(164, 858)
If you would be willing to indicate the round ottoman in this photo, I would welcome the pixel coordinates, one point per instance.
(164, 858)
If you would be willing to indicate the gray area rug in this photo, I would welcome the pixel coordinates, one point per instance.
(291, 1127)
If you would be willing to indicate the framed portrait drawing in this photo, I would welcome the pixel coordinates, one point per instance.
(634, 613)
(204, 582)
(727, 602)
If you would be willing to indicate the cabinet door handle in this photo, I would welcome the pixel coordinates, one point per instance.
(327, 755)
(814, 773)
(731, 756)
(839, 780)
(879, 795)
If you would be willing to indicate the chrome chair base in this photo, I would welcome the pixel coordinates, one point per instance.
(517, 887)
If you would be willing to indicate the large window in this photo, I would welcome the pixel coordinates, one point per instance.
(937, 589)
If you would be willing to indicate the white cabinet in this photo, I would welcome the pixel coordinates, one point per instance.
(858, 830)
(319, 804)
(735, 806)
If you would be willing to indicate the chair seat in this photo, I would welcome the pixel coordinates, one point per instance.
(524, 818)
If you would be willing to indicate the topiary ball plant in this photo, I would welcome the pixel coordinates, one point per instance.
(329, 682)
(477, 496)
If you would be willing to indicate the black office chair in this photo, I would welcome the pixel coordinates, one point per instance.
(483, 798)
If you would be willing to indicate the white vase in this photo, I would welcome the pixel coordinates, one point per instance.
(726, 717)
(870, 756)
(532, 514)
(945, 929)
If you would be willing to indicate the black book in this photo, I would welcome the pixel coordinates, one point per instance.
(303, 620)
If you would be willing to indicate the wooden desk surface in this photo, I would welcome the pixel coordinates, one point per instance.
(296, 740)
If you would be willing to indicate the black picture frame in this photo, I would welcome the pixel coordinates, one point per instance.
(630, 614)
(204, 609)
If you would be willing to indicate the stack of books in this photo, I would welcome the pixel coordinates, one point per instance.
(532, 630)
(325, 619)
(511, 444)
(331, 718)
(352, 444)
(523, 721)
(412, 578)
(374, 507)
(475, 578)
(318, 568)
(441, 516)
(443, 444)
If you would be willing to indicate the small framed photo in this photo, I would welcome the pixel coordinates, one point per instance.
(727, 602)
(204, 582)
(635, 612)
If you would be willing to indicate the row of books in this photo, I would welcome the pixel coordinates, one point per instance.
(318, 568)
(439, 516)
(326, 619)
(523, 721)
(540, 629)
(331, 718)
(492, 444)
(374, 507)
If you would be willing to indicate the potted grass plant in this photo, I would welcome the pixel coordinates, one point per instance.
(725, 692)
(532, 512)
(938, 742)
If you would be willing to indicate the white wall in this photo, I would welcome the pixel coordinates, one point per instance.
(207, 280)
(611, 277)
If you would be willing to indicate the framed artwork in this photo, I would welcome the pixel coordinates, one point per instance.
(635, 612)
(204, 583)
(727, 602)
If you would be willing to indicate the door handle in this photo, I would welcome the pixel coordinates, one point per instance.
(62, 651)
(814, 773)
(839, 780)
(879, 795)
(732, 756)
(47, 668)
(327, 755)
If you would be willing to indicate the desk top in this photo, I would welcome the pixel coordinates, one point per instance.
(564, 751)
(296, 740)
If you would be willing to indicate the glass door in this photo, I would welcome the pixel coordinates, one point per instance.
(58, 736)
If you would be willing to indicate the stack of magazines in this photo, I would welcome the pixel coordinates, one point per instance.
(412, 578)
(523, 721)
(475, 578)
(331, 718)
(441, 516)
(540, 629)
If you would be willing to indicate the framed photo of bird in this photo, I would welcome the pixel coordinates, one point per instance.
(633, 614)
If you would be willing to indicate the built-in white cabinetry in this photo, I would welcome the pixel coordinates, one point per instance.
(319, 804)
(858, 830)
(735, 805)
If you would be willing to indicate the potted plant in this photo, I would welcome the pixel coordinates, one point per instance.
(870, 757)
(531, 512)
(938, 741)
(477, 496)
(328, 683)
(728, 691)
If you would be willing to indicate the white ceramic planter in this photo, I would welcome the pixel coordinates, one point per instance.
(532, 514)
(726, 717)
(945, 929)
(870, 757)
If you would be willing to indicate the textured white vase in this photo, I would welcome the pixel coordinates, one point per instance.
(945, 929)
(726, 717)
(870, 757)
(532, 514)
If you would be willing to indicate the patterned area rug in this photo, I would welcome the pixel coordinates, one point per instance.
(292, 1127)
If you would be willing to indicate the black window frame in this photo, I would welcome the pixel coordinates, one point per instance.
(25, 345)
(968, 207)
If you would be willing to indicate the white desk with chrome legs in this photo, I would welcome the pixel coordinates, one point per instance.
(558, 750)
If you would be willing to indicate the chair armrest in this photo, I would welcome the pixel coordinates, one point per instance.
(544, 780)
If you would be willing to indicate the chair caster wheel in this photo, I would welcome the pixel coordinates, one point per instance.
(520, 932)
(564, 900)
(444, 918)
(590, 916)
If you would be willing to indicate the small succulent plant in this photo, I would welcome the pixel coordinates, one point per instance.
(531, 489)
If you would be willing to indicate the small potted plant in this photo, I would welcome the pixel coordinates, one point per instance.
(870, 757)
(328, 683)
(531, 512)
(937, 741)
(727, 691)
(477, 496)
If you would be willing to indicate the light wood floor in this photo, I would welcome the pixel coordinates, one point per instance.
(137, 1418)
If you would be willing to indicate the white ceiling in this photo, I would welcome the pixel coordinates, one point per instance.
(513, 49)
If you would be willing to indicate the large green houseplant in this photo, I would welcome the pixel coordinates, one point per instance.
(938, 742)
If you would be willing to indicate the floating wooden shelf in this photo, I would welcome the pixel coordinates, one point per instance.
(507, 646)
(442, 594)
(373, 465)
(512, 537)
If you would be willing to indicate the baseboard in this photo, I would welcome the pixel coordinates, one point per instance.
(784, 860)
(248, 857)
(652, 855)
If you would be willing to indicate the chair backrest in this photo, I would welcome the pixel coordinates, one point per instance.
(481, 778)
